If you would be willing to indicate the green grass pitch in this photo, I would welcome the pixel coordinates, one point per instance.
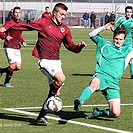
(31, 88)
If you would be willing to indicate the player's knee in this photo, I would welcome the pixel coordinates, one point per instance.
(61, 80)
(115, 114)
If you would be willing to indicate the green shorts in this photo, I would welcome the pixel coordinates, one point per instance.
(108, 86)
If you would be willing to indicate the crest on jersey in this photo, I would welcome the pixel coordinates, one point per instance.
(62, 29)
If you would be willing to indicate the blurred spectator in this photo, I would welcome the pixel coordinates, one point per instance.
(92, 19)
(47, 13)
(107, 18)
(112, 17)
(86, 19)
(28, 17)
(10, 14)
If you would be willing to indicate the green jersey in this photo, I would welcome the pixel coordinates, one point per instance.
(128, 25)
(110, 59)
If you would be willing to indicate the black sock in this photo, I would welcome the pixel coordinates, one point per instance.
(9, 74)
(42, 113)
(53, 89)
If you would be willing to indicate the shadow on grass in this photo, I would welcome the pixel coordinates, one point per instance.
(64, 116)
(21, 118)
(79, 74)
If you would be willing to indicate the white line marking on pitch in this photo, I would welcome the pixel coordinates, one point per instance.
(71, 106)
(68, 121)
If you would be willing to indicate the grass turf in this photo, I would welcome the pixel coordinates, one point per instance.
(31, 88)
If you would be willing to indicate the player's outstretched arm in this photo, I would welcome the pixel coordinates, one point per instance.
(108, 26)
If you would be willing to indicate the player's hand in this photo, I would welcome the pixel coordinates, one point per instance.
(8, 38)
(82, 44)
(2, 29)
(110, 25)
(24, 44)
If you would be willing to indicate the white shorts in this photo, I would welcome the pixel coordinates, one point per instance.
(50, 68)
(13, 55)
(128, 58)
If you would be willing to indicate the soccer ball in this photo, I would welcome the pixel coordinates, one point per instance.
(54, 103)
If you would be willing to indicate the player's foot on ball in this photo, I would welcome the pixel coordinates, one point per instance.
(93, 114)
(77, 105)
(42, 120)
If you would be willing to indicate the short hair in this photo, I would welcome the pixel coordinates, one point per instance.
(128, 7)
(46, 7)
(120, 31)
(60, 5)
(17, 7)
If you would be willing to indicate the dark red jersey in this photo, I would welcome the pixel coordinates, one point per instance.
(16, 35)
(47, 15)
(50, 37)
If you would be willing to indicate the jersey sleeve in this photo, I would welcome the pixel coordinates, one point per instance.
(98, 40)
(70, 45)
(2, 35)
(7, 25)
(118, 23)
(36, 25)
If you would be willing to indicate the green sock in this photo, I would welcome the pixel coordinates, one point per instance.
(103, 113)
(85, 95)
(131, 67)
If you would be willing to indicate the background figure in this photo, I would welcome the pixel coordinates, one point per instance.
(10, 14)
(86, 19)
(12, 39)
(92, 19)
(107, 18)
(47, 13)
(28, 17)
(126, 22)
(112, 17)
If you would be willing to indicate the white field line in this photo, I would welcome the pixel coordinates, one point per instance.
(69, 121)
(71, 106)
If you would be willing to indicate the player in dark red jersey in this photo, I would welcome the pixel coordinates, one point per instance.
(12, 40)
(51, 33)
(47, 13)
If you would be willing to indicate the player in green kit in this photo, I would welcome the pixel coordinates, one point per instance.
(127, 23)
(109, 69)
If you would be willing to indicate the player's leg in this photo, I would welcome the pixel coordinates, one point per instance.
(113, 97)
(56, 78)
(14, 59)
(86, 93)
(131, 67)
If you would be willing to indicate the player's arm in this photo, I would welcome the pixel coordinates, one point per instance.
(21, 40)
(36, 25)
(2, 34)
(95, 32)
(118, 23)
(71, 46)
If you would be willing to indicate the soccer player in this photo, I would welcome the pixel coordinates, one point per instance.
(109, 69)
(47, 13)
(51, 33)
(127, 23)
(12, 40)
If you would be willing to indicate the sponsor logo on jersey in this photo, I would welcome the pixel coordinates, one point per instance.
(62, 29)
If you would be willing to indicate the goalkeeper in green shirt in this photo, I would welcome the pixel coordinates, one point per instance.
(109, 69)
(127, 23)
